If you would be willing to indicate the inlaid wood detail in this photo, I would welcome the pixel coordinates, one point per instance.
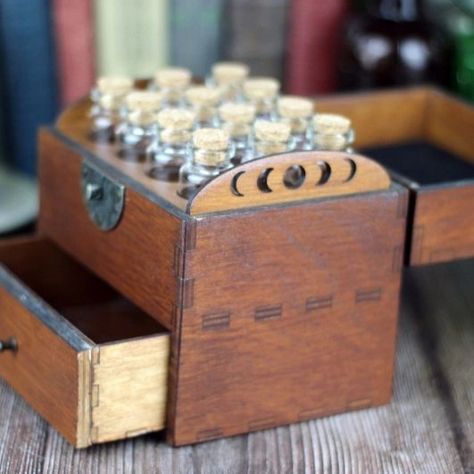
(263, 313)
(209, 434)
(215, 321)
(397, 260)
(360, 403)
(321, 302)
(371, 294)
(261, 424)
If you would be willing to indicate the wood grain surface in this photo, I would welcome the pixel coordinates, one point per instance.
(143, 244)
(304, 322)
(428, 427)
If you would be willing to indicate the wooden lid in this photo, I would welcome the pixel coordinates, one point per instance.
(227, 72)
(294, 107)
(117, 85)
(143, 101)
(331, 124)
(272, 131)
(203, 95)
(237, 113)
(173, 77)
(261, 87)
(211, 139)
(179, 119)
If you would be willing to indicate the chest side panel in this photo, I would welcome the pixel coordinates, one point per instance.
(138, 257)
(289, 313)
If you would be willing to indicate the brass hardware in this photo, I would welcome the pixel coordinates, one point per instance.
(9, 345)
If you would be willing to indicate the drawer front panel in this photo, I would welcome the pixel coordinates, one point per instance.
(45, 368)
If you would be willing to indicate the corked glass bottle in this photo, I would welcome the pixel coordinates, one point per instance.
(297, 113)
(271, 138)
(107, 110)
(262, 93)
(211, 155)
(172, 149)
(332, 132)
(140, 127)
(172, 84)
(237, 120)
(229, 76)
(203, 102)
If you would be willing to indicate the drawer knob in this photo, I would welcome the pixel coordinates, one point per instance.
(9, 345)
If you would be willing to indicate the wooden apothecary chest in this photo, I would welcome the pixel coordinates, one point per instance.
(253, 305)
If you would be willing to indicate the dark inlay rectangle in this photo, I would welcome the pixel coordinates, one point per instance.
(209, 434)
(188, 293)
(422, 162)
(215, 321)
(261, 424)
(357, 404)
(318, 303)
(371, 294)
(268, 312)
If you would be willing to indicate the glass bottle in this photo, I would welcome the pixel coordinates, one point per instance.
(203, 101)
(211, 155)
(262, 92)
(172, 149)
(140, 127)
(237, 120)
(332, 132)
(297, 113)
(107, 109)
(172, 83)
(392, 44)
(229, 76)
(270, 138)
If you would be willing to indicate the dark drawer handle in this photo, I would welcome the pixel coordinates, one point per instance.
(9, 345)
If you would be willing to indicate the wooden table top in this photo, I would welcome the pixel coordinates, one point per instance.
(429, 426)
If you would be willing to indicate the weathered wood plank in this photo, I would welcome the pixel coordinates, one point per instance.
(444, 295)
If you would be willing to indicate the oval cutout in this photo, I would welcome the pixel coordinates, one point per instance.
(262, 183)
(325, 173)
(233, 183)
(294, 177)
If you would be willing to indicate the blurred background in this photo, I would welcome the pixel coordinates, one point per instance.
(52, 50)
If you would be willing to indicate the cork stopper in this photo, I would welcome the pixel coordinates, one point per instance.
(211, 139)
(114, 85)
(229, 72)
(173, 77)
(237, 113)
(293, 107)
(261, 88)
(143, 101)
(211, 146)
(331, 124)
(203, 95)
(272, 131)
(178, 119)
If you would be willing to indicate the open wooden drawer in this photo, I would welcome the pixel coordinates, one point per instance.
(425, 138)
(87, 360)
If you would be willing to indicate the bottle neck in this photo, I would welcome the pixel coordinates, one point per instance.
(396, 10)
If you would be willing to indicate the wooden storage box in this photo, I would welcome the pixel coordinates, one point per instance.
(252, 305)
(425, 138)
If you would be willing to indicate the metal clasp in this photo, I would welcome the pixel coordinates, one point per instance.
(103, 197)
